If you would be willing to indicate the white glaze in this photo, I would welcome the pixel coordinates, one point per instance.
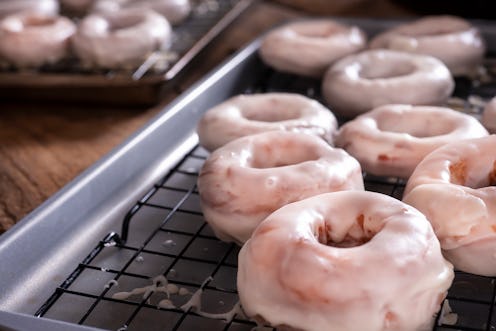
(309, 47)
(32, 39)
(307, 266)
(120, 39)
(451, 39)
(391, 140)
(243, 115)
(361, 82)
(454, 187)
(111, 283)
(247, 179)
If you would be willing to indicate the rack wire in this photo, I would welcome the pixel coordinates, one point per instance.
(164, 233)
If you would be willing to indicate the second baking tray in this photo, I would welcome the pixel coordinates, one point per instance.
(135, 215)
(69, 82)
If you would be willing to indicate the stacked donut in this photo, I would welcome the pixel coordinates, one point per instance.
(122, 36)
(339, 257)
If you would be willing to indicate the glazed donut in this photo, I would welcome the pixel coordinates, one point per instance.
(363, 81)
(120, 39)
(31, 39)
(350, 260)
(391, 140)
(454, 187)
(451, 39)
(175, 11)
(248, 114)
(308, 48)
(43, 7)
(489, 116)
(247, 179)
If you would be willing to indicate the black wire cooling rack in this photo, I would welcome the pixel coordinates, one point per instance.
(164, 233)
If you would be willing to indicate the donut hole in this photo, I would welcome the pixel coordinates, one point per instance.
(461, 174)
(281, 154)
(271, 114)
(316, 30)
(125, 21)
(357, 235)
(36, 21)
(387, 70)
(414, 125)
(434, 30)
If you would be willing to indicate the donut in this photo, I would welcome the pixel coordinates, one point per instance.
(44, 7)
(245, 180)
(451, 39)
(489, 116)
(349, 260)
(391, 140)
(175, 11)
(309, 47)
(361, 82)
(454, 187)
(30, 39)
(248, 114)
(121, 39)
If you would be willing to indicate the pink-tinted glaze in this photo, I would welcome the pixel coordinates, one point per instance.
(451, 39)
(249, 178)
(350, 260)
(392, 139)
(454, 187)
(309, 47)
(361, 82)
(249, 114)
(121, 39)
(33, 39)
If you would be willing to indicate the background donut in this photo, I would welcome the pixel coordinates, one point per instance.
(361, 82)
(249, 114)
(319, 43)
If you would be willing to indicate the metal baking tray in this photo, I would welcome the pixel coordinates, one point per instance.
(135, 215)
(68, 81)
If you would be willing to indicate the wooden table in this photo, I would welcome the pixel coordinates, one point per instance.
(44, 146)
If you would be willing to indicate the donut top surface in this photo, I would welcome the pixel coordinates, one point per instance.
(358, 260)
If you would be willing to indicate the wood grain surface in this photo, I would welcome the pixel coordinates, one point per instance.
(44, 146)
